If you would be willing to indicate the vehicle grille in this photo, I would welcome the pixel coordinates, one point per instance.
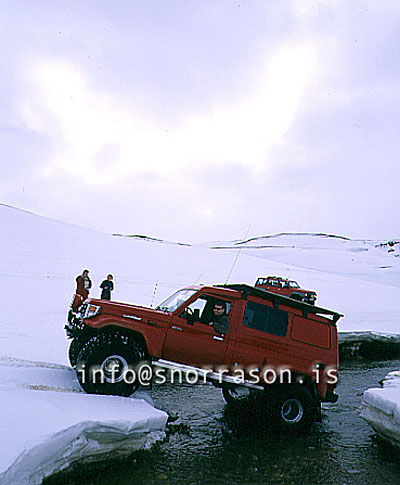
(82, 309)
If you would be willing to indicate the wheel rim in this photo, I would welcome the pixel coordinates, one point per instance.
(238, 392)
(292, 411)
(113, 368)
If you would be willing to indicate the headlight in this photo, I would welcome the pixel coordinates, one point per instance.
(91, 311)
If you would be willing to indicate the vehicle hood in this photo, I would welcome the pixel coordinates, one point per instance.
(119, 309)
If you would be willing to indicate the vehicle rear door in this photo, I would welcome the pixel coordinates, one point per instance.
(262, 340)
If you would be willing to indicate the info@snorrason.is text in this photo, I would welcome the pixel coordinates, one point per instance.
(144, 374)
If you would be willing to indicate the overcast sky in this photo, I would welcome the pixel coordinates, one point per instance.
(198, 120)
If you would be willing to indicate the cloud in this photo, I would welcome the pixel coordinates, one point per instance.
(279, 116)
(102, 140)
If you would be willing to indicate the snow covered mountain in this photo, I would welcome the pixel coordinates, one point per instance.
(40, 257)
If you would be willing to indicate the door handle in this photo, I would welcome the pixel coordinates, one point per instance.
(176, 328)
(218, 338)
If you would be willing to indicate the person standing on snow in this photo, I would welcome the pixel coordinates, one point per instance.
(107, 287)
(83, 284)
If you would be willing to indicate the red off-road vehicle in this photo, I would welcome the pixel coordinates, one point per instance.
(286, 287)
(281, 349)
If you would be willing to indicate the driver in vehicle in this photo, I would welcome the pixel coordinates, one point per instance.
(219, 320)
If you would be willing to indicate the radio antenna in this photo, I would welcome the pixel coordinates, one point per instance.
(237, 256)
(154, 294)
(199, 277)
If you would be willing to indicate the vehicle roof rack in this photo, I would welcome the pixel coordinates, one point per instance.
(276, 299)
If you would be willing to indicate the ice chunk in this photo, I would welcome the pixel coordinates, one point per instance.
(44, 432)
(381, 408)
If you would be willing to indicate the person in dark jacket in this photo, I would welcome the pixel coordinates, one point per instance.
(107, 287)
(219, 320)
(83, 284)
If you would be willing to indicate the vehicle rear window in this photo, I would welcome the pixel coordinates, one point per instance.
(265, 319)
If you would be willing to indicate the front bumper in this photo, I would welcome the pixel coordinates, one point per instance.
(75, 325)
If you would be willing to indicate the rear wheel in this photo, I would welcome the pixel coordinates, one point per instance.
(108, 364)
(293, 408)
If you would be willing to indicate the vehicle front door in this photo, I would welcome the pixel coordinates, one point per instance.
(191, 340)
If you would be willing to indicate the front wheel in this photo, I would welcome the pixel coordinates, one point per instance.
(108, 364)
(234, 394)
(74, 348)
(293, 408)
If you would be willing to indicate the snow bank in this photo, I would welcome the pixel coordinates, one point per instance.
(48, 424)
(381, 408)
(369, 336)
(51, 431)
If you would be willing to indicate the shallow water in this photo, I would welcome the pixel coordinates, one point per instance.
(212, 444)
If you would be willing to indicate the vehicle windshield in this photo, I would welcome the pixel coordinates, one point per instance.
(293, 284)
(176, 300)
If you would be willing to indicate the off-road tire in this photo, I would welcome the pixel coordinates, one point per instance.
(106, 352)
(293, 409)
(234, 394)
(74, 348)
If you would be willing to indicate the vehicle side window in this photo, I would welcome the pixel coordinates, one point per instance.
(205, 305)
(266, 319)
(207, 314)
(273, 283)
(198, 304)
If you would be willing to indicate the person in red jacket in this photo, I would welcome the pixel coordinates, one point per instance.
(83, 284)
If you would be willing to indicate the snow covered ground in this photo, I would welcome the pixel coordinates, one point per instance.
(381, 408)
(39, 260)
